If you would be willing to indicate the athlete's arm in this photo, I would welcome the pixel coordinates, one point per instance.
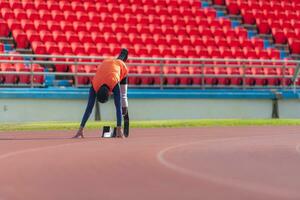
(87, 113)
(89, 107)
(118, 105)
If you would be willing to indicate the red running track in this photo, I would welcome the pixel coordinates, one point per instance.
(193, 163)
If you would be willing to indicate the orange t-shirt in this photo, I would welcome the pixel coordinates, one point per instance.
(109, 72)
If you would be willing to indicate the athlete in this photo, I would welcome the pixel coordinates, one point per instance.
(110, 78)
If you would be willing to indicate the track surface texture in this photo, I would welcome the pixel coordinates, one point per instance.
(184, 163)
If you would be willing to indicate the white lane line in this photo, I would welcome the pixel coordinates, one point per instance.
(239, 184)
(15, 153)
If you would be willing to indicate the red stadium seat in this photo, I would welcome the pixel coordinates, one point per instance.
(71, 37)
(37, 79)
(70, 16)
(90, 48)
(40, 25)
(295, 46)
(4, 30)
(20, 13)
(64, 47)
(77, 48)
(7, 13)
(209, 80)
(27, 25)
(279, 36)
(53, 5)
(85, 37)
(219, 2)
(45, 15)
(46, 36)
(14, 24)
(78, 26)
(185, 80)
(20, 38)
(197, 72)
(236, 72)
(233, 9)
(51, 47)
(65, 6)
(76, 6)
(23, 78)
(33, 35)
(59, 36)
(81, 80)
(32, 14)
(38, 47)
(9, 78)
(57, 16)
(1, 47)
(40, 5)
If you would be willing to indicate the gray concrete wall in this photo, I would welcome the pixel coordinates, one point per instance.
(29, 110)
(289, 108)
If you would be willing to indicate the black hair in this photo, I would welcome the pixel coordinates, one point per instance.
(103, 94)
(123, 55)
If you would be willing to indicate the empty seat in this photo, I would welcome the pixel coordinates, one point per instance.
(80, 80)
(20, 38)
(38, 47)
(9, 78)
(4, 30)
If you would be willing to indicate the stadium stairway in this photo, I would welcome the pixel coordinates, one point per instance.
(263, 22)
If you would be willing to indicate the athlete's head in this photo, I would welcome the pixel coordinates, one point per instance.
(123, 55)
(103, 94)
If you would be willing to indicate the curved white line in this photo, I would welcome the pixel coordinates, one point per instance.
(253, 187)
(15, 153)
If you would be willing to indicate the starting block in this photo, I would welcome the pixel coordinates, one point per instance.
(108, 132)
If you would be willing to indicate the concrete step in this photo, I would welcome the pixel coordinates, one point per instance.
(284, 47)
(208, 1)
(249, 27)
(295, 56)
(235, 17)
(7, 40)
(266, 37)
(25, 51)
(220, 8)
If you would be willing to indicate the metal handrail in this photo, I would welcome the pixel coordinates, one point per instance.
(147, 58)
(161, 64)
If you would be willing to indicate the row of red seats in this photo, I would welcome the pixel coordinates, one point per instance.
(20, 78)
(98, 17)
(122, 24)
(293, 5)
(85, 16)
(87, 6)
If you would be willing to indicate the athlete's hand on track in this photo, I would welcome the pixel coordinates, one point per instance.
(119, 133)
(124, 110)
(79, 133)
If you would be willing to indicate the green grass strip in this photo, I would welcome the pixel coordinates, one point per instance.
(150, 124)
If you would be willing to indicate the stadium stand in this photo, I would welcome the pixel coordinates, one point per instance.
(171, 28)
(279, 18)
